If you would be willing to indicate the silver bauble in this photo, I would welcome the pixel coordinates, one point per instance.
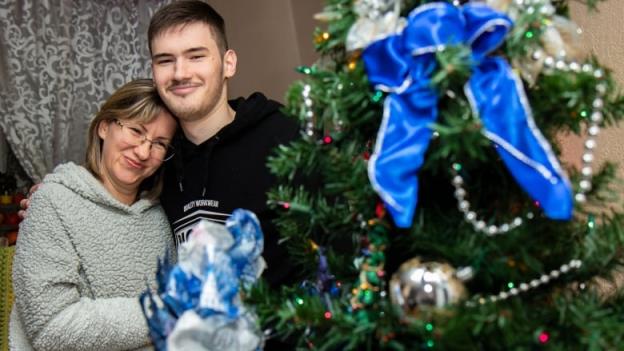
(419, 285)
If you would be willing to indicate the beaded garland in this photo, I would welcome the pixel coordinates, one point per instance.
(307, 103)
(526, 286)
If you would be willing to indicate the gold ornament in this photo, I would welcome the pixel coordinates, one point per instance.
(327, 16)
(562, 38)
(377, 19)
(318, 39)
(419, 285)
(507, 6)
(352, 65)
(321, 37)
(500, 5)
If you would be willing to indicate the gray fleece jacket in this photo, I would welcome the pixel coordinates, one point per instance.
(81, 261)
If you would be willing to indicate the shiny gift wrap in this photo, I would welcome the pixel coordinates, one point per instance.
(198, 305)
(402, 66)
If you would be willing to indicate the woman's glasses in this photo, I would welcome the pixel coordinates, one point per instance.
(135, 136)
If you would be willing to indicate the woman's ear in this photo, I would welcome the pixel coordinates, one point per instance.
(102, 129)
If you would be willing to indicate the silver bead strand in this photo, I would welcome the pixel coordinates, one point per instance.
(526, 286)
(309, 114)
(593, 129)
(470, 216)
(595, 119)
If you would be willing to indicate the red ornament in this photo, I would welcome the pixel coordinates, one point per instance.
(327, 139)
(366, 155)
(18, 197)
(328, 315)
(364, 241)
(543, 337)
(12, 237)
(380, 210)
(286, 205)
(12, 219)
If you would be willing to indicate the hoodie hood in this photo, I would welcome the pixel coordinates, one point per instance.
(249, 113)
(80, 181)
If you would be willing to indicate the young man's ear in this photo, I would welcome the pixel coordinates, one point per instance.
(229, 63)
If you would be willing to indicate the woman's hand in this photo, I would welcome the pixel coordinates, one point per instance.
(24, 203)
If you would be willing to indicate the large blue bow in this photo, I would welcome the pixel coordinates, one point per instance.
(402, 65)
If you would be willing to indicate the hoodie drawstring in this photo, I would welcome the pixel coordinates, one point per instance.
(205, 167)
(179, 164)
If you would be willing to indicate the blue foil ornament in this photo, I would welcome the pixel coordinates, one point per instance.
(402, 65)
(197, 305)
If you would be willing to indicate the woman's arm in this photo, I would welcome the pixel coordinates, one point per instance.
(47, 284)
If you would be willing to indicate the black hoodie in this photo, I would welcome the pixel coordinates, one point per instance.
(228, 171)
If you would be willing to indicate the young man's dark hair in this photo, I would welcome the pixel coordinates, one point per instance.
(184, 12)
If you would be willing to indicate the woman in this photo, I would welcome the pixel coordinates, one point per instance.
(93, 234)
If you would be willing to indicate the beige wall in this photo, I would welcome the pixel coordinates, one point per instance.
(604, 36)
(271, 38)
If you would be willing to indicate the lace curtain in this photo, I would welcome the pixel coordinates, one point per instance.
(59, 60)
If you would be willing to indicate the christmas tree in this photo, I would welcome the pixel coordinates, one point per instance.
(426, 205)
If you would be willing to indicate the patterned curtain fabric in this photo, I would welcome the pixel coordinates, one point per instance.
(59, 60)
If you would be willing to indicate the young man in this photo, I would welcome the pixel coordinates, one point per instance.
(221, 153)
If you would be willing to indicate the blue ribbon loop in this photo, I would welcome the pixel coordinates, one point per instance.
(402, 65)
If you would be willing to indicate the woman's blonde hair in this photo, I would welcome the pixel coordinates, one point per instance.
(136, 101)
